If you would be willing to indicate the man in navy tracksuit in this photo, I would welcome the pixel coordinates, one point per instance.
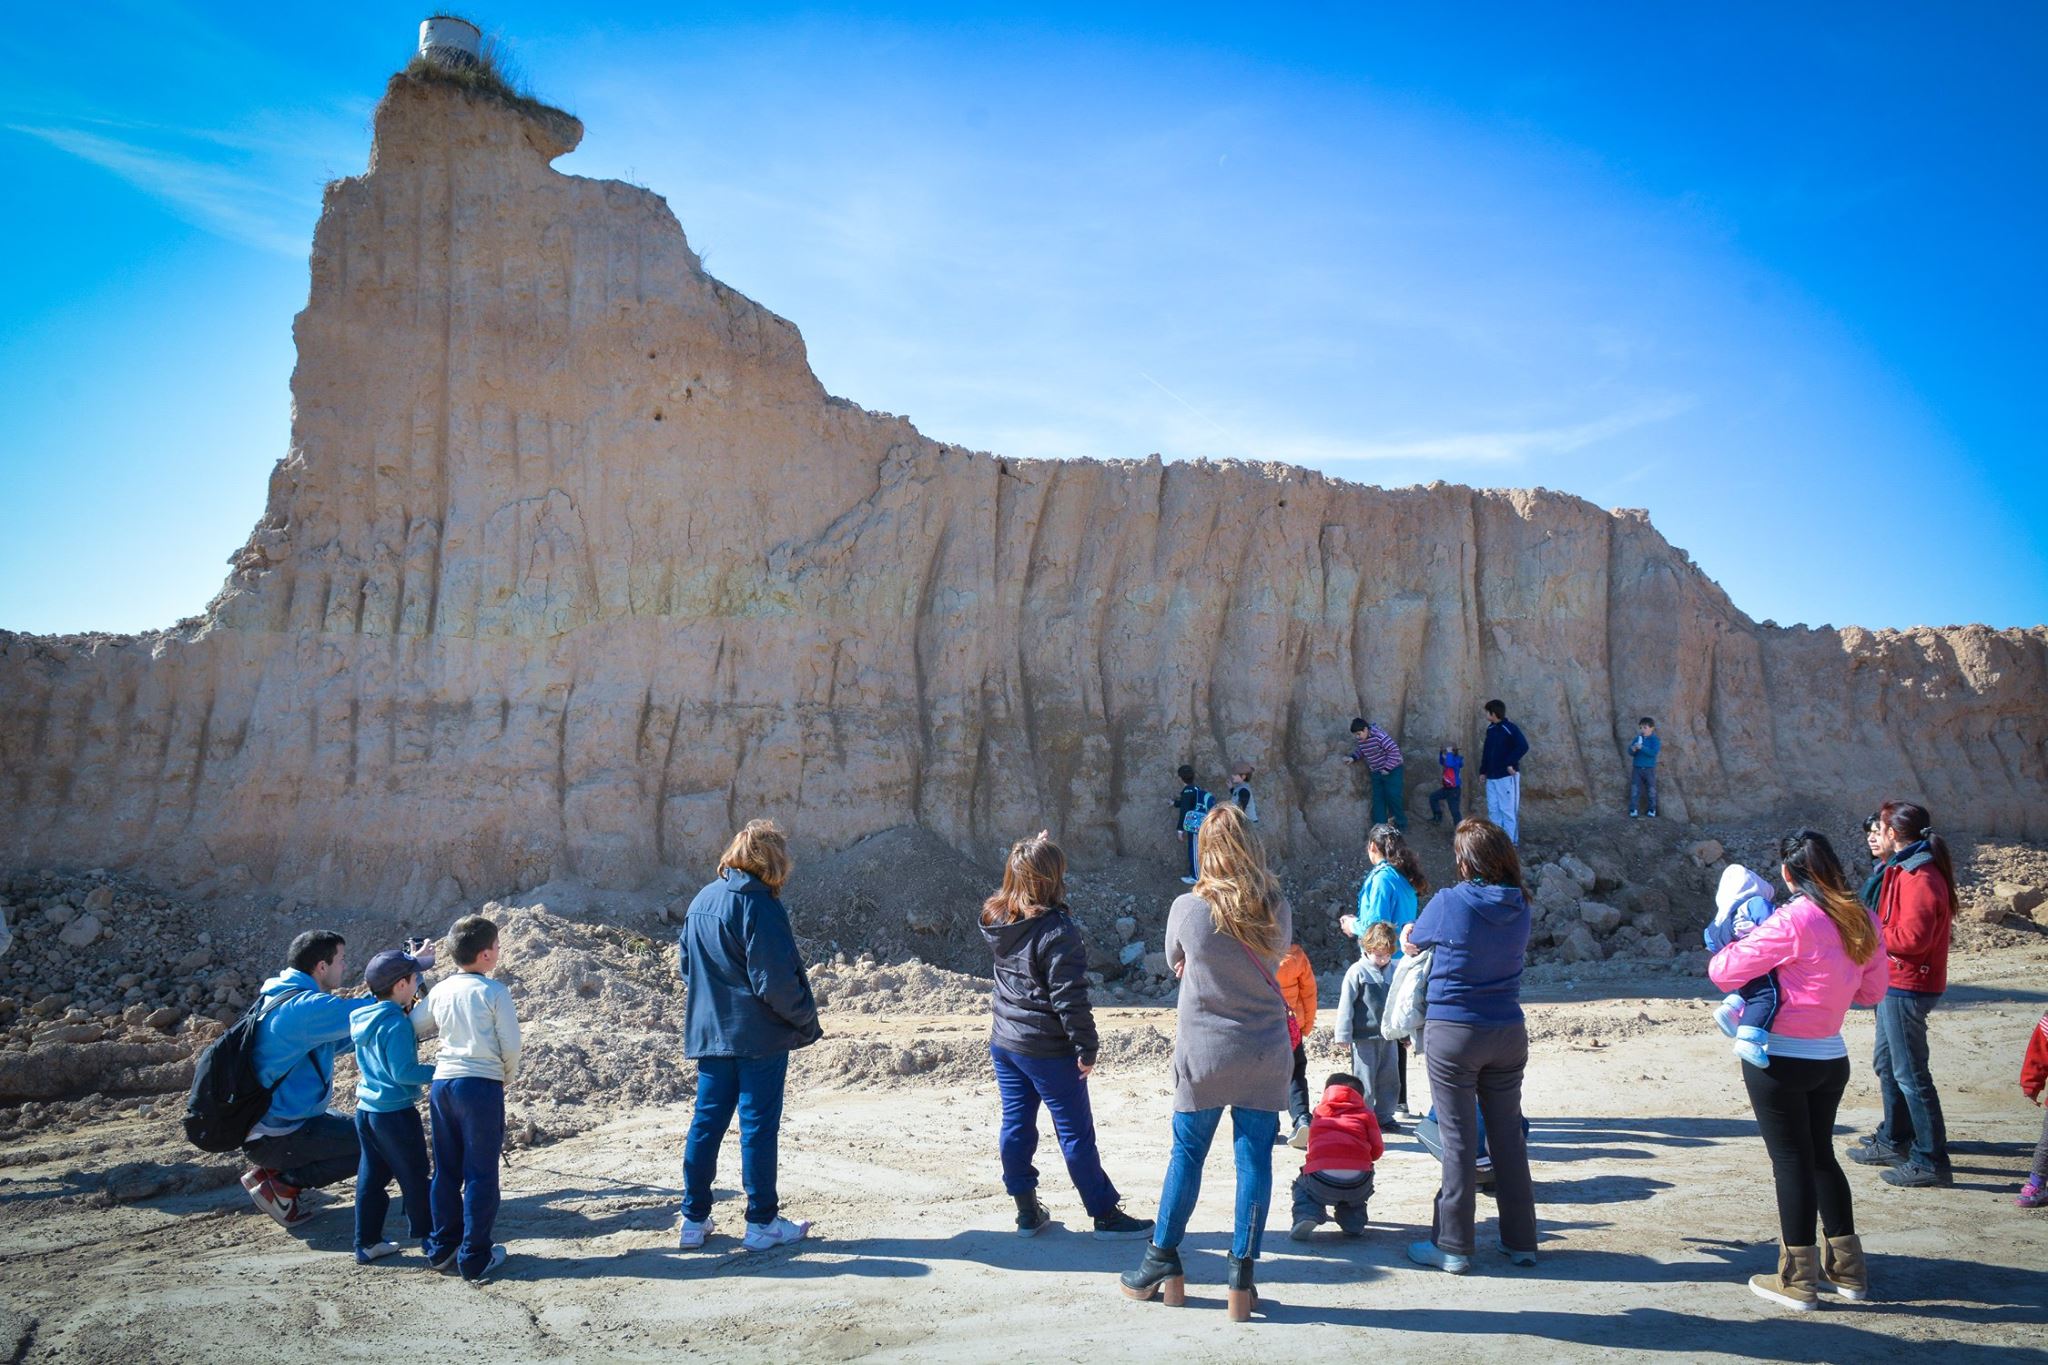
(1500, 763)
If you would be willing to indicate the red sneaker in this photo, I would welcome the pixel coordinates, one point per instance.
(274, 1197)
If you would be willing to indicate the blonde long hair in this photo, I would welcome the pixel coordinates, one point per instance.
(1034, 881)
(762, 849)
(1242, 892)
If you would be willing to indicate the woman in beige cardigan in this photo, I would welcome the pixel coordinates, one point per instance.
(1231, 1048)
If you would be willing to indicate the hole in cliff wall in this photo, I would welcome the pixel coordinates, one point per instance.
(657, 414)
(650, 355)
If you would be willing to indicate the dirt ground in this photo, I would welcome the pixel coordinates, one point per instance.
(117, 1245)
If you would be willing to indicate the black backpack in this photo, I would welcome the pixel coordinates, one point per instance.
(226, 1099)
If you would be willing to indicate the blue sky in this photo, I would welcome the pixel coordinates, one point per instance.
(1770, 272)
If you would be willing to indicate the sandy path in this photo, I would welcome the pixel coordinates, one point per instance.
(1653, 1192)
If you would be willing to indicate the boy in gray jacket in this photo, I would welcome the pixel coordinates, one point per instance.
(1361, 1003)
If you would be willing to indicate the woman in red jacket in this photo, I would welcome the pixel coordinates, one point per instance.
(1916, 905)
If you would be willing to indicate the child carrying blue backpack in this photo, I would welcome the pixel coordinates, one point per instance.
(1742, 902)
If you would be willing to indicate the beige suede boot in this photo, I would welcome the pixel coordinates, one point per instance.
(1841, 1260)
(1796, 1285)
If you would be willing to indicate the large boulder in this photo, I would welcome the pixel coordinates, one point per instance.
(1557, 890)
(1580, 946)
(1609, 872)
(81, 932)
(1601, 919)
(1579, 871)
(2018, 900)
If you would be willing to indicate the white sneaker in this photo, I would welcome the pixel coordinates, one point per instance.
(692, 1235)
(376, 1253)
(780, 1233)
(1401, 1114)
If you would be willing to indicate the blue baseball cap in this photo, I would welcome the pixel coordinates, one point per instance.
(388, 968)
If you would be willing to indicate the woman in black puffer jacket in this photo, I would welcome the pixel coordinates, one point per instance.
(1043, 1042)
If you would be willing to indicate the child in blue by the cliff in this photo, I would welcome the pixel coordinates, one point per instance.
(1742, 902)
(1642, 772)
(392, 1078)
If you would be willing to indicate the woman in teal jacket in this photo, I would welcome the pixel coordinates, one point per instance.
(1390, 895)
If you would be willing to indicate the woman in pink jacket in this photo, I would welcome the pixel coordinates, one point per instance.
(1824, 948)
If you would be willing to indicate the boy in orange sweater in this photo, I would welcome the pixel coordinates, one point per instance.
(1298, 985)
(2033, 1076)
(1343, 1143)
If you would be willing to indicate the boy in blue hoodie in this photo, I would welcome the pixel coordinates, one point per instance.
(300, 1142)
(1642, 780)
(388, 1127)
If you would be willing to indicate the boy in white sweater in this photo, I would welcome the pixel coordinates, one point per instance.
(479, 1056)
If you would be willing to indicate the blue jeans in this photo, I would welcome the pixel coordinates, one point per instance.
(469, 1138)
(394, 1148)
(1642, 782)
(1191, 840)
(1912, 1108)
(1058, 1082)
(752, 1087)
(1390, 798)
(1252, 1132)
(1455, 796)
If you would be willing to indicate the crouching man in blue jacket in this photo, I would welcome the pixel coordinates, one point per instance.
(750, 1005)
(301, 1143)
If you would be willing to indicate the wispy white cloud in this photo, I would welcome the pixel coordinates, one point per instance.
(239, 203)
(1500, 446)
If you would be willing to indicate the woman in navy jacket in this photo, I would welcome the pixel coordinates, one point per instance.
(749, 1007)
(1043, 1039)
(1476, 1044)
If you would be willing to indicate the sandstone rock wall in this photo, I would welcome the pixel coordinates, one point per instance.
(572, 564)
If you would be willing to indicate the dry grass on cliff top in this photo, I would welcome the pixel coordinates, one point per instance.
(494, 75)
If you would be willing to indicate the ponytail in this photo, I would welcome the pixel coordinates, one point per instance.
(1816, 873)
(1913, 824)
(1393, 848)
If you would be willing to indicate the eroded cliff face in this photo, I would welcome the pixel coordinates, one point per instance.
(573, 565)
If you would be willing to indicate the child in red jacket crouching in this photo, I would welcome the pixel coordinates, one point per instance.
(1343, 1143)
(2033, 1076)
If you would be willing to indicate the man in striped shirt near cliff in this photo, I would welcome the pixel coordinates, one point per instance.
(1375, 748)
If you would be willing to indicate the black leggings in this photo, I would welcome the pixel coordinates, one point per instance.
(1795, 1101)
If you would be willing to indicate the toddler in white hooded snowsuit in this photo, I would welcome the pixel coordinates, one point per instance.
(1742, 901)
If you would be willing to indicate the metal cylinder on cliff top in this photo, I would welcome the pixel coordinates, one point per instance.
(448, 41)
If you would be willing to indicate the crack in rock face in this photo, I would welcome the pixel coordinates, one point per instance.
(572, 565)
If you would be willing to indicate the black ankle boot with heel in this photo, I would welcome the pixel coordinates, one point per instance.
(1243, 1297)
(1158, 1273)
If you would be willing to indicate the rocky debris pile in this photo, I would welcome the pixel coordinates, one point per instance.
(1584, 911)
(2004, 894)
(108, 988)
(602, 1015)
(866, 986)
